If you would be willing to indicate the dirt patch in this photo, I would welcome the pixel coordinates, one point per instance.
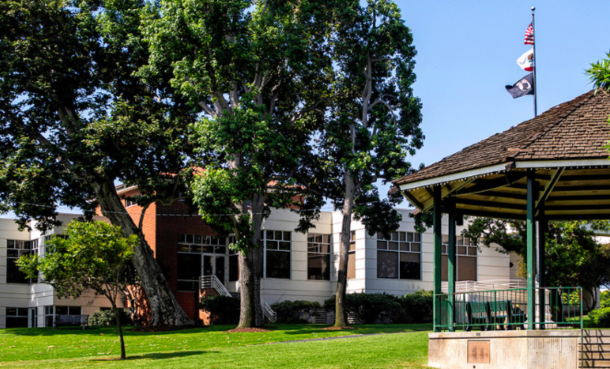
(246, 330)
(161, 328)
(338, 328)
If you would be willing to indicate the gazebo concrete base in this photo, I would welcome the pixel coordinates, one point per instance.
(540, 349)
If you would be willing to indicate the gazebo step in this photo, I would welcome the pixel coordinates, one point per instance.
(596, 364)
(596, 355)
(596, 332)
(596, 340)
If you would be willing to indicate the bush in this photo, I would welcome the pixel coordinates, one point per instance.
(414, 308)
(223, 309)
(600, 318)
(295, 312)
(368, 308)
(604, 299)
(107, 318)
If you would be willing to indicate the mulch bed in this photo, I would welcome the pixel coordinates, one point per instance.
(338, 328)
(246, 330)
(161, 328)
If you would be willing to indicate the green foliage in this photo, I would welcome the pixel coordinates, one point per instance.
(604, 299)
(415, 308)
(295, 312)
(599, 73)
(224, 309)
(108, 318)
(368, 308)
(600, 318)
(94, 256)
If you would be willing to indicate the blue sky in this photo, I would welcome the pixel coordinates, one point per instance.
(467, 52)
(466, 55)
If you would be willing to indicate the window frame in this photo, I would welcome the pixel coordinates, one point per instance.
(25, 317)
(400, 239)
(28, 247)
(317, 240)
(265, 242)
(460, 241)
(192, 244)
(351, 253)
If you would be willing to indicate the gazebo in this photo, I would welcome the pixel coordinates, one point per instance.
(552, 167)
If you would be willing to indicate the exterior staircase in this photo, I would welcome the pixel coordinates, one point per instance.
(595, 348)
(212, 282)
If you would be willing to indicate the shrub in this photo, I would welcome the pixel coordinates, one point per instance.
(223, 309)
(604, 299)
(368, 308)
(600, 318)
(294, 312)
(414, 308)
(107, 318)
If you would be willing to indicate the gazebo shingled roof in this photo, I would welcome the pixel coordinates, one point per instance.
(565, 148)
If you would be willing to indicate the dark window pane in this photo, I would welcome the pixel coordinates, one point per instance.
(472, 251)
(387, 264)
(271, 245)
(12, 253)
(222, 241)
(198, 239)
(11, 311)
(48, 321)
(183, 248)
(207, 249)
(325, 249)
(13, 274)
(285, 246)
(278, 235)
(269, 235)
(286, 236)
(393, 246)
(10, 244)
(74, 310)
(278, 264)
(189, 266)
(208, 265)
(394, 236)
(404, 246)
(382, 245)
(61, 310)
(403, 236)
(417, 237)
(188, 285)
(461, 250)
(312, 247)
(467, 268)
(444, 268)
(351, 265)
(233, 268)
(444, 249)
(318, 266)
(189, 238)
(220, 249)
(16, 322)
(196, 248)
(410, 266)
(379, 236)
(410, 237)
(416, 247)
(326, 238)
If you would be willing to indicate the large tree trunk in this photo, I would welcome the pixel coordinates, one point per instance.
(250, 273)
(165, 309)
(348, 208)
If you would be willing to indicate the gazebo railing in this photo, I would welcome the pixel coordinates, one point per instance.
(561, 307)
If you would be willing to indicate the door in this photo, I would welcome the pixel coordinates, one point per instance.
(208, 265)
(220, 268)
(33, 318)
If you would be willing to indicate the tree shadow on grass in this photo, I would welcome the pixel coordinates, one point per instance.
(159, 355)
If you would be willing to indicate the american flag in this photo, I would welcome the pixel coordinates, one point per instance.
(529, 35)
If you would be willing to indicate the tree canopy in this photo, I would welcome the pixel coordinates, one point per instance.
(75, 119)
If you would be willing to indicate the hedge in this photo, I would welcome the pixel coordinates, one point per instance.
(294, 312)
(223, 309)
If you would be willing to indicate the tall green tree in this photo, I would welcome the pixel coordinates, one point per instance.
(374, 123)
(94, 256)
(259, 72)
(75, 119)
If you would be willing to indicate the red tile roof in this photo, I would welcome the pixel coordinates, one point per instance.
(576, 129)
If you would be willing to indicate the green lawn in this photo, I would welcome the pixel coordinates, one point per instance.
(212, 347)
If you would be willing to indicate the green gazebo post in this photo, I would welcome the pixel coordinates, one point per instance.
(451, 264)
(530, 224)
(438, 216)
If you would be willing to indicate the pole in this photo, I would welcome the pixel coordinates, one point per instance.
(437, 258)
(451, 265)
(531, 251)
(535, 65)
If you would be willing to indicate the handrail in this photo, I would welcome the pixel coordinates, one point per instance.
(507, 309)
(490, 284)
(212, 281)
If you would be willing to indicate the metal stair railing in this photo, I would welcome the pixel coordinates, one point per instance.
(211, 281)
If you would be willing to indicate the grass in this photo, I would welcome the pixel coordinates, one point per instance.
(212, 347)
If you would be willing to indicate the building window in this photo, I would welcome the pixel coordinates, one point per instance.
(192, 264)
(466, 259)
(50, 312)
(130, 202)
(16, 249)
(400, 256)
(278, 247)
(47, 248)
(318, 256)
(351, 256)
(16, 317)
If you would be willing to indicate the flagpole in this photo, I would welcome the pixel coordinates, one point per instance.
(535, 65)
